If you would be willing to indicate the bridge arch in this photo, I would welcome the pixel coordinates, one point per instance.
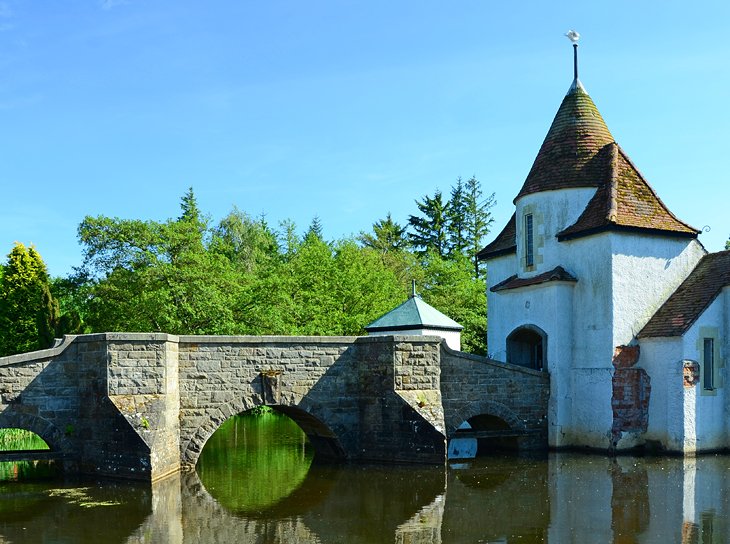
(56, 439)
(313, 422)
(485, 426)
(488, 408)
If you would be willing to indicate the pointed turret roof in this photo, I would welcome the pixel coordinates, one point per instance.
(413, 314)
(569, 155)
(579, 151)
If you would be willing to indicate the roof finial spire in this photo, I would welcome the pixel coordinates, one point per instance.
(573, 36)
(413, 289)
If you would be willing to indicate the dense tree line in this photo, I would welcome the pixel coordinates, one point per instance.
(188, 275)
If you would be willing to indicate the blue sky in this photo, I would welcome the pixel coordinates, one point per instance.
(346, 110)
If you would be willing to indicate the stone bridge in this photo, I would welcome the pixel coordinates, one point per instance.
(143, 405)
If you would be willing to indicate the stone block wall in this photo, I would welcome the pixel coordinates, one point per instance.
(340, 390)
(472, 386)
(40, 392)
(61, 394)
(142, 373)
(314, 377)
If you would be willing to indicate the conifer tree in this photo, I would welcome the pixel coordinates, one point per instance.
(192, 221)
(28, 312)
(387, 236)
(478, 219)
(430, 229)
(315, 229)
(457, 214)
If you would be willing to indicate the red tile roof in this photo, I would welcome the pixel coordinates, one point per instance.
(687, 303)
(513, 282)
(624, 200)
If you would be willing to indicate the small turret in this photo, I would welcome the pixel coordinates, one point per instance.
(416, 317)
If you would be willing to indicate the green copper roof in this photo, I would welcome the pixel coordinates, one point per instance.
(413, 314)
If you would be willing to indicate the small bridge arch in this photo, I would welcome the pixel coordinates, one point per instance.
(485, 407)
(502, 400)
(57, 441)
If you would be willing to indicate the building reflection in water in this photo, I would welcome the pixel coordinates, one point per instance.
(561, 499)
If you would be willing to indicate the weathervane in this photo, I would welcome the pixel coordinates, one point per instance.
(573, 36)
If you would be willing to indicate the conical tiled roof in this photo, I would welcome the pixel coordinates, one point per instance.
(579, 151)
(568, 156)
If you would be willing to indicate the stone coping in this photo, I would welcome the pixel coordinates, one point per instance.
(493, 362)
(62, 344)
(40, 355)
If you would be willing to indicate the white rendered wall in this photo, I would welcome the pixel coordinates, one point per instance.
(646, 271)
(687, 419)
(578, 320)
(498, 269)
(552, 212)
(548, 307)
(591, 370)
(705, 410)
(662, 359)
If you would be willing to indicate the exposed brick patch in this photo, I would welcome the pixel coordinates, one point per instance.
(690, 373)
(631, 393)
(625, 356)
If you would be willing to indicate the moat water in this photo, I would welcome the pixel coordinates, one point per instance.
(257, 482)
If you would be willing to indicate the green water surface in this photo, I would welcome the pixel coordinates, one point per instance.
(254, 461)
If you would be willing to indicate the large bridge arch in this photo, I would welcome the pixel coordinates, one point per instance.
(313, 422)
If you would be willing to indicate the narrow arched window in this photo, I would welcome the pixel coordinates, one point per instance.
(529, 241)
(708, 366)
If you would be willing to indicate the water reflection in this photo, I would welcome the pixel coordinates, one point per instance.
(77, 512)
(560, 499)
(498, 499)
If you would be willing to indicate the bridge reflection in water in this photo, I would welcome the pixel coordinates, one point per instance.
(290, 498)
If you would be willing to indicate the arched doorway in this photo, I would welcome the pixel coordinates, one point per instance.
(527, 346)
